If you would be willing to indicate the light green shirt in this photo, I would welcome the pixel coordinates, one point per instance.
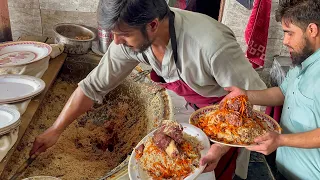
(301, 113)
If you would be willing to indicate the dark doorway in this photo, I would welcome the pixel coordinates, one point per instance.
(208, 7)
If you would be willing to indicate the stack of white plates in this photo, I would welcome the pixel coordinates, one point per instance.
(17, 88)
(9, 119)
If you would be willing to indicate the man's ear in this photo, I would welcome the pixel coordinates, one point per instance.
(153, 25)
(313, 30)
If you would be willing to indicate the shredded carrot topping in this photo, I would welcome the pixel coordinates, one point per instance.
(242, 130)
(159, 165)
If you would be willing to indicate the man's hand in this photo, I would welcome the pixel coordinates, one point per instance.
(266, 143)
(45, 140)
(213, 156)
(233, 92)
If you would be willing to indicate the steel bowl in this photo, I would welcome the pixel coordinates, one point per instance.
(76, 38)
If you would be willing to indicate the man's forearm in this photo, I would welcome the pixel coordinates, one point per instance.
(268, 97)
(310, 139)
(77, 104)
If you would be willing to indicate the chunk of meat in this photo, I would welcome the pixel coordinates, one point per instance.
(249, 109)
(161, 140)
(172, 149)
(234, 118)
(140, 148)
(234, 104)
(173, 130)
(165, 142)
(139, 151)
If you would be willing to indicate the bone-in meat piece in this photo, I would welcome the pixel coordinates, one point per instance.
(161, 140)
(139, 151)
(166, 143)
(167, 136)
(172, 149)
(172, 129)
(140, 148)
(233, 118)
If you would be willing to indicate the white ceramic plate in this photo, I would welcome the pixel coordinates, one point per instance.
(12, 128)
(272, 124)
(15, 88)
(22, 52)
(8, 117)
(136, 173)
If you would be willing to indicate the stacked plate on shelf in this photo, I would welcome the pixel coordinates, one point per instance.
(9, 119)
(17, 88)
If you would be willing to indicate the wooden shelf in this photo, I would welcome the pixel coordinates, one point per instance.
(48, 77)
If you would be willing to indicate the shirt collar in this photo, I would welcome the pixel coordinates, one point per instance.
(310, 60)
(177, 26)
(177, 21)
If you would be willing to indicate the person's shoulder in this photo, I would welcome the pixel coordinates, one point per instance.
(204, 30)
(293, 72)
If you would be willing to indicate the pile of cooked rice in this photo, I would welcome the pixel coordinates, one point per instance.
(242, 135)
(97, 141)
(234, 122)
(159, 165)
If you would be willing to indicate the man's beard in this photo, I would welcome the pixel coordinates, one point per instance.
(144, 46)
(298, 58)
(146, 43)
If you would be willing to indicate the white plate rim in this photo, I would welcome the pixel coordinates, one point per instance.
(40, 88)
(9, 130)
(188, 127)
(11, 126)
(15, 43)
(20, 100)
(15, 115)
(275, 123)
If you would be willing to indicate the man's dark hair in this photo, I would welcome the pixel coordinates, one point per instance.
(135, 13)
(299, 12)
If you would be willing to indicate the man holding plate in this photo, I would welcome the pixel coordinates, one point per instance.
(298, 148)
(190, 53)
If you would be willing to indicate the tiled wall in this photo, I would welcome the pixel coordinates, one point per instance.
(37, 17)
(236, 17)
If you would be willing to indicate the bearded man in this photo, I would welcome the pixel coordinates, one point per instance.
(298, 148)
(190, 53)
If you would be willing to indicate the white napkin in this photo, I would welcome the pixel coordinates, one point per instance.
(57, 49)
(7, 141)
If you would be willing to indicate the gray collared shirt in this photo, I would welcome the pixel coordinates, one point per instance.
(209, 58)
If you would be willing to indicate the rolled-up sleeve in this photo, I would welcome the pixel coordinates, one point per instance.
(113, 68)
(230, 67)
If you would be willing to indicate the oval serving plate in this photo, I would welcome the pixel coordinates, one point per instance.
(9, 117)
(272, 124)
(15, 88)
(22, 52)
(136, 173)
